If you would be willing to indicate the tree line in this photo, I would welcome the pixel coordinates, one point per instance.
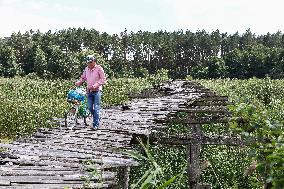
(184, 53)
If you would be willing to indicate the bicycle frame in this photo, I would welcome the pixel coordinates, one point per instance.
(78, 110)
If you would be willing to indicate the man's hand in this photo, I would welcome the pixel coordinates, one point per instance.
(76, 83)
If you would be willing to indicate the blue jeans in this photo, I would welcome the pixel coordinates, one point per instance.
(94, 105)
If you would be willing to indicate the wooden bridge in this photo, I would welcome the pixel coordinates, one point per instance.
(60, 157)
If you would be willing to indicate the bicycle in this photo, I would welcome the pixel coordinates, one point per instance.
(78, 98)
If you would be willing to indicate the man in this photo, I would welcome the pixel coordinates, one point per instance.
(95, 77)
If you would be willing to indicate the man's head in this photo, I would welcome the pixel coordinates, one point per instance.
(91, 61)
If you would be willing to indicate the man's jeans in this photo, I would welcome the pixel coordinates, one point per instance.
(94, 105)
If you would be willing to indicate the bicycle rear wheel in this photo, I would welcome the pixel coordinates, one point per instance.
(71, 118)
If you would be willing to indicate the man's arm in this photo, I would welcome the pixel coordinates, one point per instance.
(82, 79)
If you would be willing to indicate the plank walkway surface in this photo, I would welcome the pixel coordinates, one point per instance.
(58, 157)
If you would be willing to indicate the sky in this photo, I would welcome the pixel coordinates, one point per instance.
(114, 16)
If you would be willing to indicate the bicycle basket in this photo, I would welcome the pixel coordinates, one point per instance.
(77, 94)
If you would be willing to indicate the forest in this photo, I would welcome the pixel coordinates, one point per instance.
(182, 53)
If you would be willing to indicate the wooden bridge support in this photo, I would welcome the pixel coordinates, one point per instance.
(123, 176)
(193, 153)
(193, 163)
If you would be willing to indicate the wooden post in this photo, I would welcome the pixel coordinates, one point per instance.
(126, 171)
(123, 176)
(193, 152)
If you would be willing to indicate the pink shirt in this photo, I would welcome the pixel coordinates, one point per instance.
(95, 78)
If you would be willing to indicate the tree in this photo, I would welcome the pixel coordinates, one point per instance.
(8, 65)
(234, 62)
(216, 67)
(40, 63)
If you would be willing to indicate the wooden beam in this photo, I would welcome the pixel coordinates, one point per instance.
(205, 109)
(5, 182)
(201, 120)
(192, 138)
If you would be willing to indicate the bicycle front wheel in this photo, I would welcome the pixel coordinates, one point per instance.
(86, 116)
(71, 118)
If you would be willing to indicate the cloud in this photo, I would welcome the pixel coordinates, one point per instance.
(26, 15)
(22, 21)
(10, 2)
(228, 16)
(65, 8)
(34, 5)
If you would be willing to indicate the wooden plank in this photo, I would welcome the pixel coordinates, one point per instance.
(53, 179)
(212, 98)
(209, 103)
(57, 186)
(202, 139)
(45, 150)
(210, 109)
(5, 182)
(42, 163)
(202, 120)
(39, 168)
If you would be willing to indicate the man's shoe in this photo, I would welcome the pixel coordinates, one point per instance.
(94, 128)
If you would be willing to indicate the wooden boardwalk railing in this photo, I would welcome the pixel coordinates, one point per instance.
(56, 157)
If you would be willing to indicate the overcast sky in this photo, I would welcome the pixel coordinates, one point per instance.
(113, 16)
